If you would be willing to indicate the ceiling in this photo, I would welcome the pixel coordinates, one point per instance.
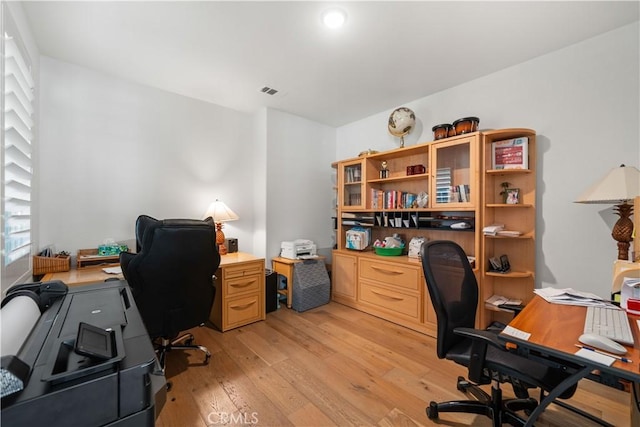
(387, 54)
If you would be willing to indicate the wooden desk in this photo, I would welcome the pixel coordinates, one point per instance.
(285, 267)
(554, 330)
(83, 276)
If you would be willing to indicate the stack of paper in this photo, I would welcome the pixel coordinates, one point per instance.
(499, 300)
(492, 230)
(508, 233)
(570, 296)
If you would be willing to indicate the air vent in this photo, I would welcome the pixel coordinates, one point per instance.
(269, 90)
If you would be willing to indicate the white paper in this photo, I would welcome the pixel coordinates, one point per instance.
(17, 319)
(516, 333)
(570, 296)
(113, 270)
(596, 357)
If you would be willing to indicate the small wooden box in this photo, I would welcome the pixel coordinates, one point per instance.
(90, 258)
(44, 264)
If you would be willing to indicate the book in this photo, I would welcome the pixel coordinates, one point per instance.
(510, 154)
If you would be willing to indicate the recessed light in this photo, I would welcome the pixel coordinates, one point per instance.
(334, 18)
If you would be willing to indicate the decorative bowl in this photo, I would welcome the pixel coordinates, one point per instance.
(389, 251)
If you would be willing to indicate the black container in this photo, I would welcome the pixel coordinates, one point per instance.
(271, 291)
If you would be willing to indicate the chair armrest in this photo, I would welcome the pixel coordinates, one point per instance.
(480, 342)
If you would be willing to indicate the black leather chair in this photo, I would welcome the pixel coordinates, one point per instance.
(454, 294)
(172, 279)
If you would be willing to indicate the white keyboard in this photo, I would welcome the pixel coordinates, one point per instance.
(609, 322)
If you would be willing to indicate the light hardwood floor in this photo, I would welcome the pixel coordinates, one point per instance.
(333, 366)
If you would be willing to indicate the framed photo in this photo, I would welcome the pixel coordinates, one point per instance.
(513, 196)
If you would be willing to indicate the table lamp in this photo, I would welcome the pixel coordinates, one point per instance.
(220, 213)
(619, 186)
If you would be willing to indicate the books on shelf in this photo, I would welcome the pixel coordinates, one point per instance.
(392, 199)
(510, 154)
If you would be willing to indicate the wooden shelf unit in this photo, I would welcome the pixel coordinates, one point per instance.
(394, 287)
(463, 160)
(521, 250)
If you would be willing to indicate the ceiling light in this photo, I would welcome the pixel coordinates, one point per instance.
(334, 18)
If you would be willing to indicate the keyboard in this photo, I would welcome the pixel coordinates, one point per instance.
(609, 322)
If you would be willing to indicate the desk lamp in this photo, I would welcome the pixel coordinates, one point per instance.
(619, 186)
(220, 213)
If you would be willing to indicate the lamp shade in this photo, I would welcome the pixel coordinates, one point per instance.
(619, 185)
(220, 212)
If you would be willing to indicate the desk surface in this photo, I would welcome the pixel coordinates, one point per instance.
(556, 328)
(84, 276)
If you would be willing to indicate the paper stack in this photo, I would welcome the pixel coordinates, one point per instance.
(570, 296)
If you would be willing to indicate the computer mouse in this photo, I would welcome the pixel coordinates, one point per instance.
(602, 343)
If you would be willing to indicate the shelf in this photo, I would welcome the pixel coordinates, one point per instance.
(511, 274)
(507, 171)
(400, 178)
(522, 236)
(506, 206)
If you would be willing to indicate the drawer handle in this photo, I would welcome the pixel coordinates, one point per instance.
(384, 270)
(388, 296)
(243, 285)
(242, 307)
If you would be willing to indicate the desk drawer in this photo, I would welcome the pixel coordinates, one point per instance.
(394, 274)
(241, 270)
(242, 310)
(390, 300)
(243, 285)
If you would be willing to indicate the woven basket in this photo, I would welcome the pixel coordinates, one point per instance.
(44, 265)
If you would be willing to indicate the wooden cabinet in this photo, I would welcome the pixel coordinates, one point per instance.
(519, 282)
(351, 184)
(385, 193)
(344, 276)
(240, 291)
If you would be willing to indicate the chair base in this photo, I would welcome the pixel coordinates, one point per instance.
(166, 345)
(492, 406)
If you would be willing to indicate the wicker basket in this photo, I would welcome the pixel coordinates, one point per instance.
(44, 264)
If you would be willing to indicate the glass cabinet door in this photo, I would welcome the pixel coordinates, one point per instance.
(352, 184)
(454, 177)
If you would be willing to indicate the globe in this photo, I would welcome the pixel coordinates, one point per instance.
(401, 122)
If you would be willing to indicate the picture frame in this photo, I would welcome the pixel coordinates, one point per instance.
(512, 196)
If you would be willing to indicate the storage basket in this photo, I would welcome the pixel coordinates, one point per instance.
(45, 264)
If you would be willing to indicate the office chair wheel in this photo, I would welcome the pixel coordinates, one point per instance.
(463, 384)
(432, 411)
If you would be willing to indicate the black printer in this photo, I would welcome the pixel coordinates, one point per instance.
(87, 361)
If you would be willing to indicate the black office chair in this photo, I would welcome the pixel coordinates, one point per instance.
(171, 279)
(454, 294)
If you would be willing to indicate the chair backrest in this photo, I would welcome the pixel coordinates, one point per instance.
(171, 277)
(453, 290)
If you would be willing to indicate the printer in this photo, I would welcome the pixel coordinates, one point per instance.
(298, 249)
(47, 380)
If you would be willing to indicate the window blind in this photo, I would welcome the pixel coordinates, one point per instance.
(18, 99)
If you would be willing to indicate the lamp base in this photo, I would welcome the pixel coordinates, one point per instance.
(623, 230)
(220, 239)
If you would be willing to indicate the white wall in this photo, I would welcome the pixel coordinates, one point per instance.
(111, 150)
(584, 103)
(299, 187)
